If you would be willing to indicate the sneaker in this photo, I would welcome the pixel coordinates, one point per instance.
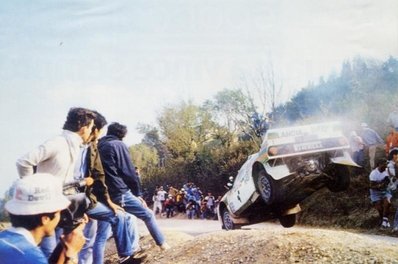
(131, 260)
(385, 223)
(140, 254)
(165, 246)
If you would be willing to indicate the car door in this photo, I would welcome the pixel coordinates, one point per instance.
(243, 188)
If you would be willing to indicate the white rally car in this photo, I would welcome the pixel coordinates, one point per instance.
(292, 164)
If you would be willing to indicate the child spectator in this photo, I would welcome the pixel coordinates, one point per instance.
(169, 205)
(190, 209)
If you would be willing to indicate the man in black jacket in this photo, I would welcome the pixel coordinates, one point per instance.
(122, 181)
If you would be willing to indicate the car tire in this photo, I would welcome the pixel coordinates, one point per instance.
(265, 185)
(288, 220)
(227, 222)
(340, 178)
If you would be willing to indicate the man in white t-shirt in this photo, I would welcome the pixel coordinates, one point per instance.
(162, 194)
(379, 194)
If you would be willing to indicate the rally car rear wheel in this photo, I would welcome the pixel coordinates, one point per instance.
(288, 220)
(228, 224)
(266, 187)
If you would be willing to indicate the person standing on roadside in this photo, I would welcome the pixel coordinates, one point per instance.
(371, 140)
(379, 194)
(123, 182)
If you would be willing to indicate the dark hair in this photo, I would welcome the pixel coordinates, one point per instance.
(29, 222)
(381, 161)
(393, 152)
(117, 130)
(99, 121)
(77, 118)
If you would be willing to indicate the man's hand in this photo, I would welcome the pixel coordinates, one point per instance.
(142, 201)
(115, 207)
(89, 181)
(73, 242)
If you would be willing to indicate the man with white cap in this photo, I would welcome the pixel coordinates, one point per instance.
(34, 211)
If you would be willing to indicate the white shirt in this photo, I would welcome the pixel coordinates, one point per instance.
(162, 195)
(81, 163)
(56, 156)
(391, 168)
(377, 176)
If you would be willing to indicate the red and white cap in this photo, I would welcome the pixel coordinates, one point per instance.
(36, 194)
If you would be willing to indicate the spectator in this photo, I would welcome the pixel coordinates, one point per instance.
(173, 191)
(180, 201)
(191, 209)
(169, 206)
(379, 195)
(123, 182)
(371, 140)
(391, 169)
(101, 207)
(162, 194)
(34, 213)
(357, 148)
(157, 205)
(391, 141)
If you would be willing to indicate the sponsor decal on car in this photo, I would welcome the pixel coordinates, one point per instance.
(307, 146)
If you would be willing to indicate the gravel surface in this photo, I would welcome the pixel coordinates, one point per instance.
(278, 245)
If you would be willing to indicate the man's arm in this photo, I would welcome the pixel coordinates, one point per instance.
(26, 164)
(129, 175)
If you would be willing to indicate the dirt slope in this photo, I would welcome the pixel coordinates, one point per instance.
(264, 246)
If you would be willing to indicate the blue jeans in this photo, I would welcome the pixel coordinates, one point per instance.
(90, 231)
(134, 206)
(120, 228)
(104, 232)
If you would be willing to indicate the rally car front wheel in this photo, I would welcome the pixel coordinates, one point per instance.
(227, 222)
(265, 185)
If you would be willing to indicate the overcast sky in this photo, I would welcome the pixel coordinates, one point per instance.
(128, 59)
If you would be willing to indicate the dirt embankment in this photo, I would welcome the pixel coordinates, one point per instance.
(264, 246)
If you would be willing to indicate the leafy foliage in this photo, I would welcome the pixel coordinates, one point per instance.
(206, 144)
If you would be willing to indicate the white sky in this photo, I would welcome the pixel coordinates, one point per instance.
(128, 59)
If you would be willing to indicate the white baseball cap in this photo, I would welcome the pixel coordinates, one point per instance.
(36, 194)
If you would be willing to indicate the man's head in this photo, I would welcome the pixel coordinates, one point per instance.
(393, 155)
(381, 164)
(81, 121)
(99, 123)
(117, 130)
(37, 201)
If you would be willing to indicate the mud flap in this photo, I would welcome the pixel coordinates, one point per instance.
(293, 210)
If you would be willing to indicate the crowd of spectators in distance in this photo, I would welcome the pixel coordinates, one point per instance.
(188, 200)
